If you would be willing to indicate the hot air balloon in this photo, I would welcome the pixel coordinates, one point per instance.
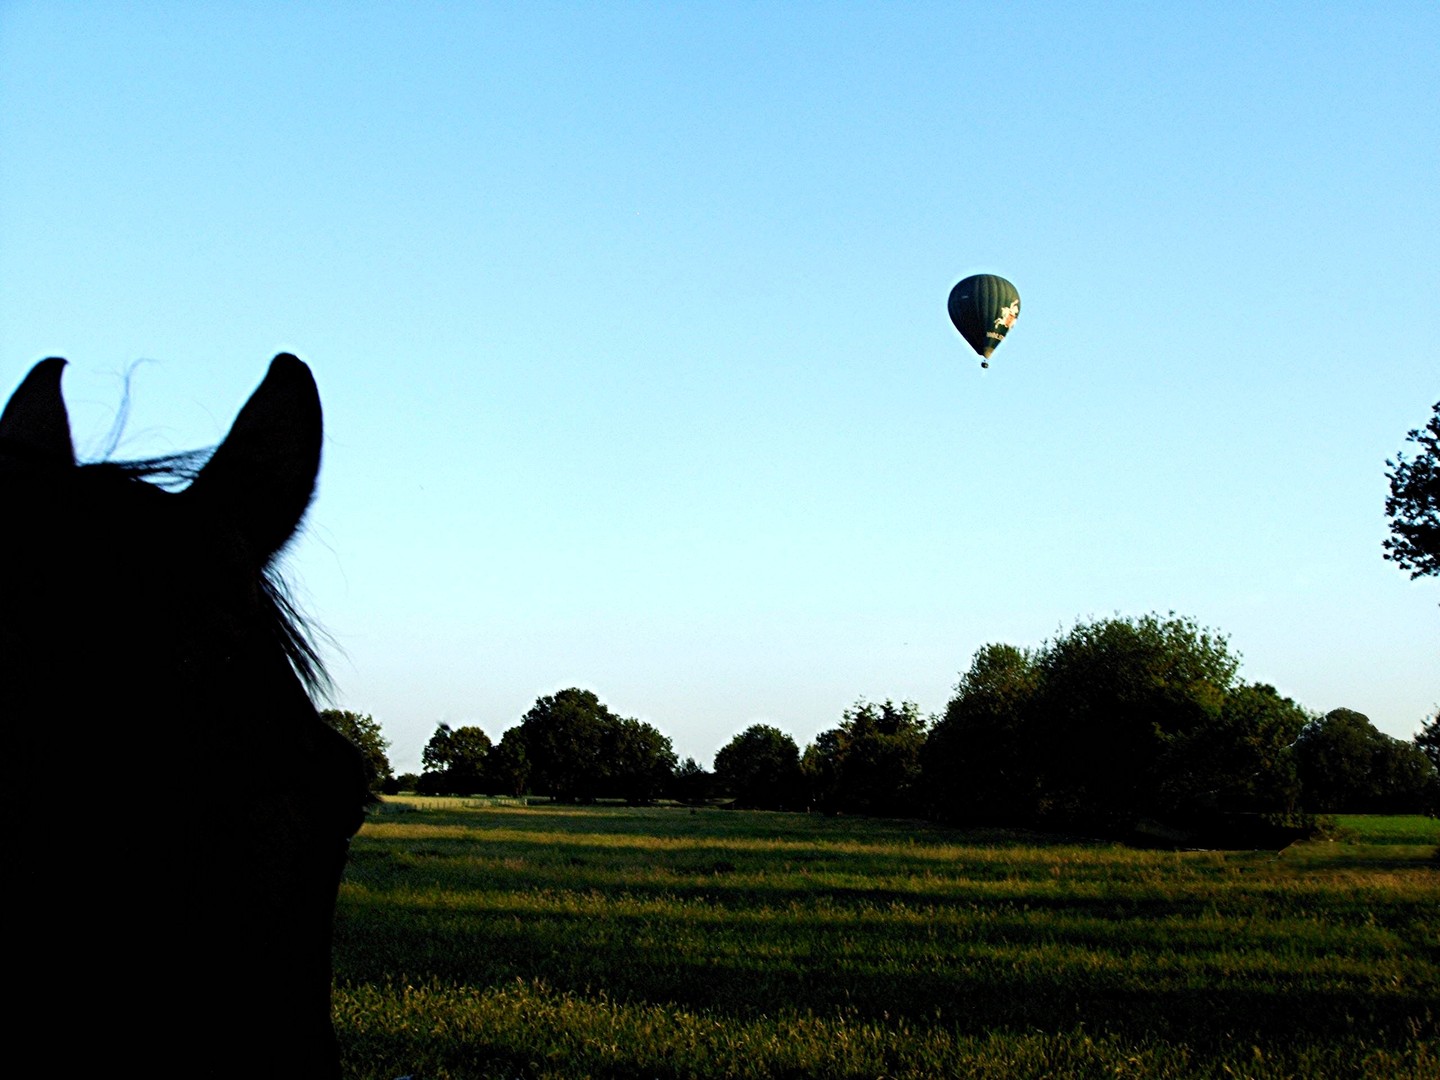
(984, 308)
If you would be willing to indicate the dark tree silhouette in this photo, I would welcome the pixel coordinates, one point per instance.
(455, 761)
(870, 764)
(1428, 739)
(979, 763)
(691, 783)
(364, 732)
(507, 768)
(1241, 762)
(760, 767)
(1116, 724)
(1116, 698)
(577, 750)
(639, 761)
(1413, 505)
(1347, 765)
(563, 738)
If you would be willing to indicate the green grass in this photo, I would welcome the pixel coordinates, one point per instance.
(606, 942)
(1410, 830)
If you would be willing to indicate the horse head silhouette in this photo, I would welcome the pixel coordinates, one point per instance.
(179, 813)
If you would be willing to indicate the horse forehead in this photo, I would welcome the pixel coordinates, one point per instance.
(99, 516)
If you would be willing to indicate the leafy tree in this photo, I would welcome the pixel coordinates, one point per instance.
(1098, 727)
(1240, 762)
(562, 735)
(820, 770)
(1402, 777)
(1413, 505)
(469, 749)
(1116, 696)
(691, 783)
(639, 760)
(978, 763)
(435, 757)
(408, 781)
(1428, 739)
(1347, 765)
(364, 732)
(507, 766)
(574, 745)
(454, 761)
(760, 767)
(1333, 755)
(870, 764)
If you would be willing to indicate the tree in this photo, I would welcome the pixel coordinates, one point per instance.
(870, 764)
(454, 761)
(507, 767)
(364, 732)
(469, 751)
(1402, 778)
(691, 783)
(820, 769)
(573, 748)
(978, 763)
(1240, 763)
(435, 757)
(564, 736)
(1333, 756)
(1116, 696)
(1347, 765)
(639, 760)
(1428, 739)
(760, 767)
(1413, 505)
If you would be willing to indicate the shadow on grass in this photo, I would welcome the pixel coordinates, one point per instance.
(1014, 979)
(741, 916)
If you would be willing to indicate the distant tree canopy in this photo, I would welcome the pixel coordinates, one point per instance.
(691, 783)
(364, 732)
(1117, 699)
(1346, 765)
(978, 765)
(640, 761)
(1413, 505)
(870, 764)
(455, 761)
(760, 767)
(576, 749)
(508, 767)
(1117, 725)
(1428, 739)
(1242, 761)
(1115, 721)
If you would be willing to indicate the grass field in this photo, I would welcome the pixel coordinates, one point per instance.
(478, 940)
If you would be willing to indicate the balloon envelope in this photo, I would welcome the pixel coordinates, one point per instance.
(984, 308)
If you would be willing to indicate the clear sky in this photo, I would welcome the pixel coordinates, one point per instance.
(629, 321)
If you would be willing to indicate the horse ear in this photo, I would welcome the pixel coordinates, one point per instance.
(35, 426)
(263, 475)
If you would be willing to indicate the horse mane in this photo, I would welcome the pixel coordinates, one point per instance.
(291, 631)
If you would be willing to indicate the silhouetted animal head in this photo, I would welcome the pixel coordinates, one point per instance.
(180, 814)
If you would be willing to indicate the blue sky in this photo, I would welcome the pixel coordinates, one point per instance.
(629, 321)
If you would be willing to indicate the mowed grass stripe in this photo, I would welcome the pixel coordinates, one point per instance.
(720, 917)
(530, 1030)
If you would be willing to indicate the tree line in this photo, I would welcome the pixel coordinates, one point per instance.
(1114, 722)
